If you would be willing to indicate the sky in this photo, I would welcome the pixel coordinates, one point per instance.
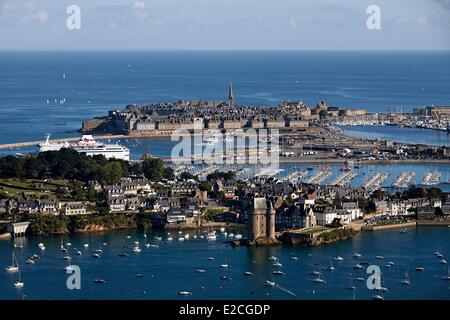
(225, 25)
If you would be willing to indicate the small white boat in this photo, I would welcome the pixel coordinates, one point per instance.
(420, 269)
(63, 249)
(338, 258)
(357, 255)
(86, 245)
(30, 261)
(315, 273)
(14, 267)
(96, 255)
(222, 229)
(210, 258)
(144, 235)
(35, 256)
(153, 246)
(78, 253)
(278, 272)
(200, 270)
(128, 237)
(443, 261)
(157, 238)
(181, 239)
(212, 237)
(185, 293)
(169, 239)
(273, 258)
(68, 244)
(248, 273)
(66, 258)
(98, 250)
(186, 236)
(358, 266)
(40, 244)
(104, 244)
(225, 265)
(147, 245)
(268, 283)
(18, 284)
(194, 236)
(294, 258)
(238, 236)
(389, 264)
(42, 248)
(231, 235)
(447, 277)
(136, 249)
(406, 280)
(136, 243)
(379, 257)
(377, 296)
(277, 264)
(99, 281)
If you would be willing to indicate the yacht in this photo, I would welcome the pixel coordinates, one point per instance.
(225, 265)
(19, 283)
(90, 147)
(268, 283)
(14, 267)
(338, 258)
(406, 280)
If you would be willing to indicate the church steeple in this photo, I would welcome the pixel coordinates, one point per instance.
(230, 95)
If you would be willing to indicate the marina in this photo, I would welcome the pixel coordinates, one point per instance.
(190, 267)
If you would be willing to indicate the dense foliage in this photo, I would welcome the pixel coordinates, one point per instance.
(69, 164)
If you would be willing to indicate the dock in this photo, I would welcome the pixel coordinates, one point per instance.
(404, 180)
(375, 181)
(431, 178)
(344, 179)
(320, 177)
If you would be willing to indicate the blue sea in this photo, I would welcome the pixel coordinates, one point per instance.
(94, 82)
(172, 267)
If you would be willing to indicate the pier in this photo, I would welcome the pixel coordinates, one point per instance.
(345, 178)
(296, 176)
(18, 229)
(404, 180)
(375, 181)
(320, 176)
(431, 178)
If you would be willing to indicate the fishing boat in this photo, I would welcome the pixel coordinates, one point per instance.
(14, 267)
(406, 280)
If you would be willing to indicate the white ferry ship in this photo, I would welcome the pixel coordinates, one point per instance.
(90, 147)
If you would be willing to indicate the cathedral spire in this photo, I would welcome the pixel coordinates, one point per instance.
(230, 95)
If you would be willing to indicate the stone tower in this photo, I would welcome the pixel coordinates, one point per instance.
(261, 219)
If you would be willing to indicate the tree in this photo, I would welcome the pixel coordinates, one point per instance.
(205, 186)
(169, 174)
(153, 168)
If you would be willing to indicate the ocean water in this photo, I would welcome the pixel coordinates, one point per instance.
(403, 135)
(172, 267)
(98, 81)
